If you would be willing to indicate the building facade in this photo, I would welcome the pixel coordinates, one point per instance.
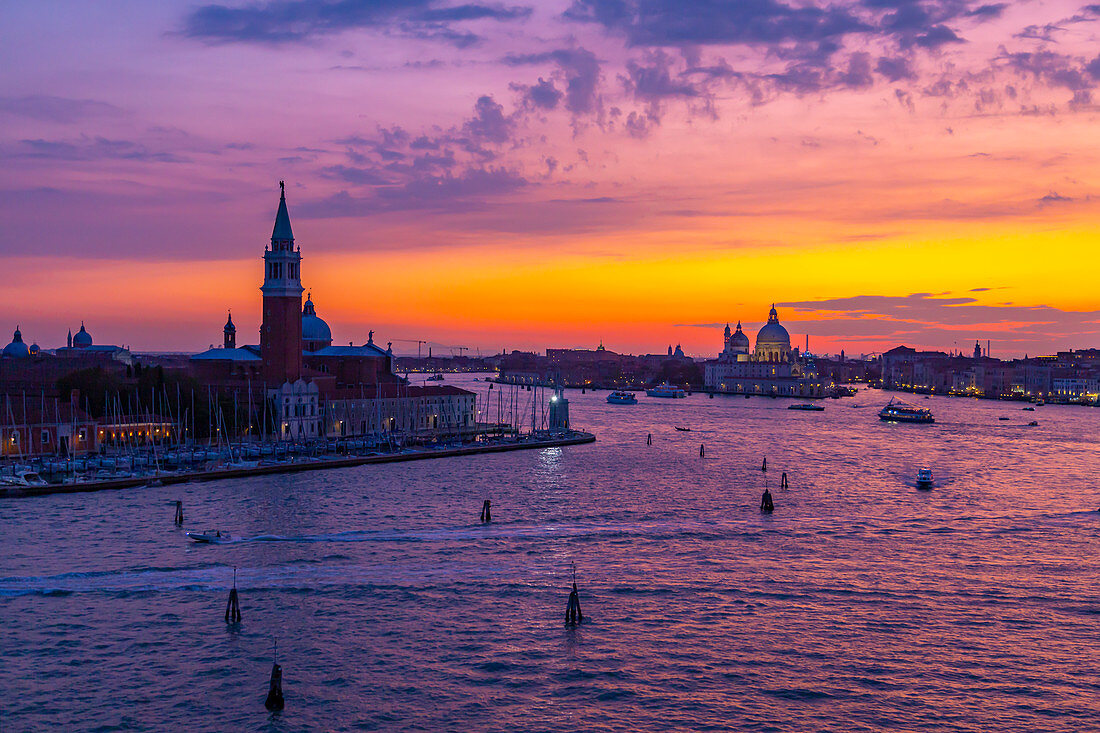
(771, 368)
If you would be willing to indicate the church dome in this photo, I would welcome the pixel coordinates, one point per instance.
(17, 349)
(773, 333)
(82, 339)
(739, 338)
(315, 332)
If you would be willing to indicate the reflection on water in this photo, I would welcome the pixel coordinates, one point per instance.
(860, 604)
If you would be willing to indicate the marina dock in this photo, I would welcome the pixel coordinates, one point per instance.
(574, 437)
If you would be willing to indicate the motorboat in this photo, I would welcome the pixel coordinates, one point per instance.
(1002, 418)
(22, 477)
(1033, 424)
(683, 430)
(209, 537)
(924, 478)
(437, 377)
(622, 398)
(898, 411)
(1029, 409)
(666, 390)
(807, 406)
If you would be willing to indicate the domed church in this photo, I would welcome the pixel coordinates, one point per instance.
(773, 343)
(771, 368)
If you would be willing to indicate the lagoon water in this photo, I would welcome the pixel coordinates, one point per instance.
(861, 604)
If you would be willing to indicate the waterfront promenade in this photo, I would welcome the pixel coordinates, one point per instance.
(523, 442)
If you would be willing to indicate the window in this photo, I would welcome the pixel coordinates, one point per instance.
(82, 435)
(45, 437)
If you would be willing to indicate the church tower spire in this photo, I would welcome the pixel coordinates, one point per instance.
(281, 333)
(230, 332)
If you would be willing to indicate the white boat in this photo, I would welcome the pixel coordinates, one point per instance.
(807, 406)
(666, 390)
(924, 478)
(22, 477)
(622, 398)
(210, 536)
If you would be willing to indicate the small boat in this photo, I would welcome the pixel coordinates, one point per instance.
(807, 406)
(622, 398)
(437, 377)
(21, 477)
(899, 411)
(1033, 424)
(210, 536)
(1029, 409)
(684, 430)
(924, 478)
(1002, 418)
(666, 390)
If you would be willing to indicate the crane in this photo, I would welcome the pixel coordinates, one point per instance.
(418, 342)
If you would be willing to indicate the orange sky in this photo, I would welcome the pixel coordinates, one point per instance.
(556, 176)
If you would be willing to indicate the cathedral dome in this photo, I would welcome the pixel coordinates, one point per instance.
(315, 332)
(773, 333)
(17, 349)
(82, 339)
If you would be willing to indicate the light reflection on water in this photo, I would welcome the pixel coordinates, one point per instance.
(860, 604)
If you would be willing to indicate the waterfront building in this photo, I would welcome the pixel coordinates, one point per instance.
(36, 426)
(771, 368)
(313, 387)
(83, 350)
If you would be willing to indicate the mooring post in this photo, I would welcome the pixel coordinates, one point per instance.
(766, 504)
(702, 451)
(573, 615)
(649, 439)
(179, 513)
(233, 607)
(764, 467)
(486, 513)
(783, 481)
(274, 701)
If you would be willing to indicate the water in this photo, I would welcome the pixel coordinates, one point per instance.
(860, 604)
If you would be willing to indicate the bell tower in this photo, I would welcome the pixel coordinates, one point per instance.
(281, 333)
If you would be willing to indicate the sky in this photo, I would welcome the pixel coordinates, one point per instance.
(531, 174)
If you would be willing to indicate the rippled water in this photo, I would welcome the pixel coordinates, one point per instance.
(860, 604)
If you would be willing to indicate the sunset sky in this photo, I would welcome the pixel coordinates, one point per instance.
(532, 174)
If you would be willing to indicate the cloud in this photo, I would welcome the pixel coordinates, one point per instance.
(947, 311)
(93, 148)
(580, 72)
(489, 122)
(460, 191)
(46, 108)
(751, 22)
(283, 21)
(542, 95)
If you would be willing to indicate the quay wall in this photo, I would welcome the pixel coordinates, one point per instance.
(572, 438)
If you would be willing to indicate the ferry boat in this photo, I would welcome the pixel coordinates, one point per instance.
(622, 398)
(807, 406)
(898, 411)
(666, 390)
(924, 478)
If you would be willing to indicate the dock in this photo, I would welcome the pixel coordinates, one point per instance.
(410, 454)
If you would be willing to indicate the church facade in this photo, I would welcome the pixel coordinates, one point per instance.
(770, 368)
(313, 388)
